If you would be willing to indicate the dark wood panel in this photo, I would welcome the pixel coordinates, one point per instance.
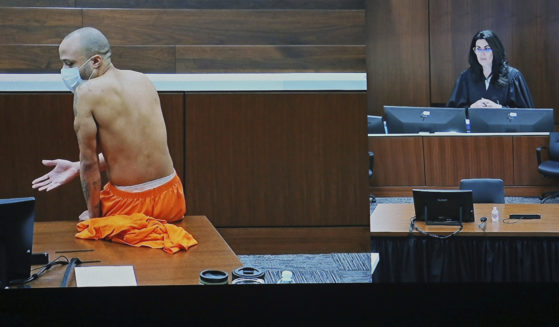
(277, 159)
(398, 161)
(191, 4)
(527, 30)
(29, 59)
(161, 59)
(406, 191)
(233, 27)
(543, 77)
(271, 59)
(224, 4)
(37, 25)
(45, 59)
(37, 3)
(449, 159)
(146, 59)
(525, 162)
(145, 40)
(397, 54)
(283, 240)
(172, 105)
(36, 127)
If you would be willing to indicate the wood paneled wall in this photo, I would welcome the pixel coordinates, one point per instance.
(191, 36)
(397, 53)
(246, 159)
(450, 159)
(417, 49)
(283, 159)
(406, 162)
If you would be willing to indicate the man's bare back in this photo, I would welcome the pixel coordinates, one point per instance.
(131, 130)
(119, 127)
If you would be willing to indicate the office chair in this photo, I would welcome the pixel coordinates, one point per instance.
(549, 168)
(485, 190)
(372, 198)
(375, 125)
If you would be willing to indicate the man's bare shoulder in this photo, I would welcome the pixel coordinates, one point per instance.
(86, 95)
(134, 75)
(92, 89)
(112, 81)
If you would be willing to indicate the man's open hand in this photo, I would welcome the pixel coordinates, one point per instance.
(63, 172)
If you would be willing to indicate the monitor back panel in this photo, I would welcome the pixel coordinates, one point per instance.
(16, 237)
(424, 119)
(510, 120)
(375, 125)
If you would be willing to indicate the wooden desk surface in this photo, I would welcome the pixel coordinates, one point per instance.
(394, 220)
(152, 266)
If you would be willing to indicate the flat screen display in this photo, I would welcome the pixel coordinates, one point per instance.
(510, 120)
(17, 216)
(424, 119)
(443, 207)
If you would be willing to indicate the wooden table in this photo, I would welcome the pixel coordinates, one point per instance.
(391, 219)
(151, 266)
(513, 250)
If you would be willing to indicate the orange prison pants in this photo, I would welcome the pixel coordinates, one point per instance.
(165, 202)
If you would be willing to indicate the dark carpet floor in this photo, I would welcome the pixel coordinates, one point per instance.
(314, 268)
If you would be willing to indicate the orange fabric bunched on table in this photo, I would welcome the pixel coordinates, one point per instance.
(137, 230)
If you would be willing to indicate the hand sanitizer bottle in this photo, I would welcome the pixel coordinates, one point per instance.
(495, 215)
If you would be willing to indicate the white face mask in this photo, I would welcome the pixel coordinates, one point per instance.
(71, 76)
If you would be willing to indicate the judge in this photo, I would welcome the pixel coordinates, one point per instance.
(490, 82)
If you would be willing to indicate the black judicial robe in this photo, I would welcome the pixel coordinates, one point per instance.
(470, 88)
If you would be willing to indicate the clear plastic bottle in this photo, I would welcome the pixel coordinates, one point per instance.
(286, 277)
(495, 215)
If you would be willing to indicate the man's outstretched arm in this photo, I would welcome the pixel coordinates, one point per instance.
(86, 132)
(63, 172)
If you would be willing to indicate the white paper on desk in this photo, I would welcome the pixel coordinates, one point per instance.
(105, 276)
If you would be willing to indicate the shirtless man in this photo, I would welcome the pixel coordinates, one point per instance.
(120, 128)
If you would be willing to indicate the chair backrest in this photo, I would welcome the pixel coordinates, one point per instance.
(554, 146)
(375, 125)
(485, 190)
(371, 163)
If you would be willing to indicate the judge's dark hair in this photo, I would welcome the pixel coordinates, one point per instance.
(500, 65)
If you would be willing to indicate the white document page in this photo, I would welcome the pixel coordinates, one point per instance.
(105, 276)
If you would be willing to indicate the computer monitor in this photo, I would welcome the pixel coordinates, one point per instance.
(443, 207)
(17, 216)
(510, 120)
(375, 125)
(424, 119)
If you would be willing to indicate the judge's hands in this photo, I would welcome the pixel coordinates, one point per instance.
(485, 103)
(63, 172)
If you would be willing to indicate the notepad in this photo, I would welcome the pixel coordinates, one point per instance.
(105, 276)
